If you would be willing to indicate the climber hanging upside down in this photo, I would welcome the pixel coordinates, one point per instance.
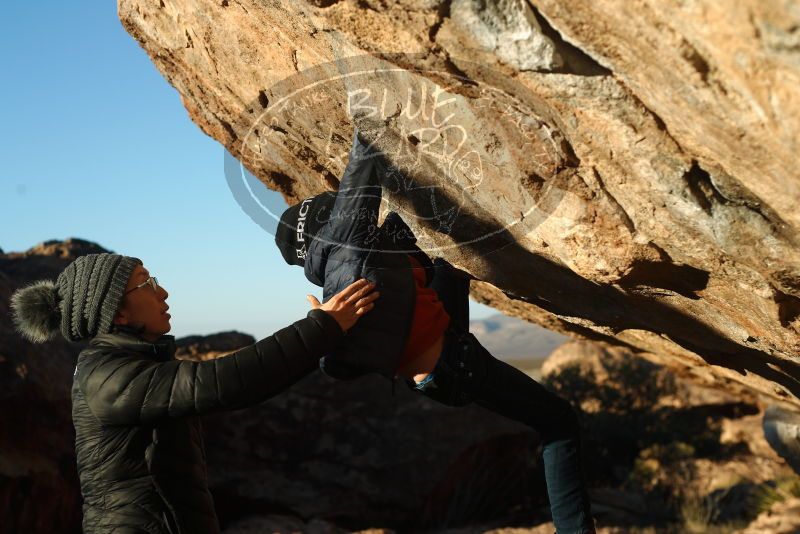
(418, 330)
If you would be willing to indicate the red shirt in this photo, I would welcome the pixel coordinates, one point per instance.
(430, 318)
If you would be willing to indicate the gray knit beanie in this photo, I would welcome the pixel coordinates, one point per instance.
(81, 303)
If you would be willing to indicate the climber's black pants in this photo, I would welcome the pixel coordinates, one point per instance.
(466, 372)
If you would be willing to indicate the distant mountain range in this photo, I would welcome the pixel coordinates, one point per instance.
(516, 341)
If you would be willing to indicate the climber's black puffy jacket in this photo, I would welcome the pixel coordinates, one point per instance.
(139, 444)
(350, 246)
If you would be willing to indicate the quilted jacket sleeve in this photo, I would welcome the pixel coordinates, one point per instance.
(126, 389)
(354, 216)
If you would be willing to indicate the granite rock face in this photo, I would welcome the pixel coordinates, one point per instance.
(612, 170)
(660, 436)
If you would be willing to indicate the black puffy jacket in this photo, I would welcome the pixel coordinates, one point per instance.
(350, 246)
(139, 445)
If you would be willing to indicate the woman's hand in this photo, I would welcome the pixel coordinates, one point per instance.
(349, 304)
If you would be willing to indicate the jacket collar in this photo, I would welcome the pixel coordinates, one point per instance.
(123, 338)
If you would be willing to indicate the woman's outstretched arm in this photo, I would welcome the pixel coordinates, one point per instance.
(130, 389)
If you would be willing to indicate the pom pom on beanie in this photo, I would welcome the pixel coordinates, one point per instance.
(36, 311)
(81, 303)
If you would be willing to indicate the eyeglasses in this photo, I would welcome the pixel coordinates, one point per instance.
(152, 282)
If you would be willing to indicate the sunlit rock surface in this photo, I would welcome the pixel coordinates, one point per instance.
(667, 447)
(612, 171)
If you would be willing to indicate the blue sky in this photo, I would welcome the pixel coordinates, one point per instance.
(97, 145)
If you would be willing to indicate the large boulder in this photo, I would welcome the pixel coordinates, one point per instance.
(615, 172)
(663, 443)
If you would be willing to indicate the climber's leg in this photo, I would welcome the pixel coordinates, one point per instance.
(467, 372)
(513, 394)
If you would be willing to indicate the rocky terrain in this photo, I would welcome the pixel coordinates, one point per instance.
(516, 341)
(667, 451)
(616, 170)
(353, 453)
(667, 447)
(672, 447)
(38, 478)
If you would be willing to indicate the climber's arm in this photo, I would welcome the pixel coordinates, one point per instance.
(355, 213)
